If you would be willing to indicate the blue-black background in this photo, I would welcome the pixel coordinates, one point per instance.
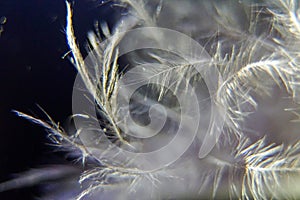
(32, 72)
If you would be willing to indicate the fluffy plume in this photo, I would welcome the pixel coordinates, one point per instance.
(255, 47)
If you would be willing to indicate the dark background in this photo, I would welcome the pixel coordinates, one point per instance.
(32, 71)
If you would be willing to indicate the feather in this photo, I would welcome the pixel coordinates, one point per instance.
(254, 64)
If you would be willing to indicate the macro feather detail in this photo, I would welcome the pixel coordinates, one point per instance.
(257, 155)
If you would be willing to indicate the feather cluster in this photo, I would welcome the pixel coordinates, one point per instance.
(254, 46)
